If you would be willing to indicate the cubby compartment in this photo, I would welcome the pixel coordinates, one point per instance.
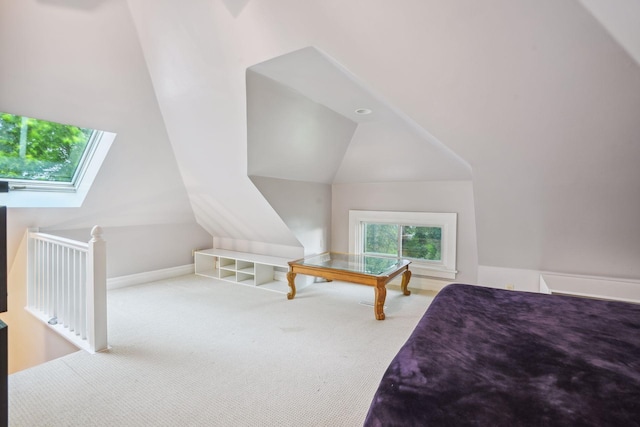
(205, 264)
(226, 273)
(245, 278)
(243, 268)
(227, 263)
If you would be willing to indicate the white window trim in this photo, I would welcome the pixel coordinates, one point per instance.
(37, 194)
(445, 269)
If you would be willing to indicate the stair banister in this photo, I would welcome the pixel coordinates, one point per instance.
(67, 287)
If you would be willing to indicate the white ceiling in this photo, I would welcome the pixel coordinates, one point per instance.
(538, 99)
(320, 78)
(284, 118)
(622, 19)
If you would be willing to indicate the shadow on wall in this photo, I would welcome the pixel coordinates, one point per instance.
(235, 6)
(74, 4)
(306, 132)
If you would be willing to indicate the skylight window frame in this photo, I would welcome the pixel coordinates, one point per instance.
(59, 186)
(49, 194)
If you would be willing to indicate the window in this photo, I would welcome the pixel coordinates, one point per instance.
(426, 239)
(45, 156)
(34, 151)
(406, 241)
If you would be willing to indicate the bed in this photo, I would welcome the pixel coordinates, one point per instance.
(490, 357)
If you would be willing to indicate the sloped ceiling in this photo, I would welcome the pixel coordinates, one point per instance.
(622, 19)
(537, 97)
(79, 62)
(290, 136)
(303, 125)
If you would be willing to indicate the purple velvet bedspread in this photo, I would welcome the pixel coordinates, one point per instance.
(490, 357)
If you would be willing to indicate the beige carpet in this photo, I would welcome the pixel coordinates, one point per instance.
(202, 352)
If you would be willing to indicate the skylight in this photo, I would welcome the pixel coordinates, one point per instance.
(44, 156)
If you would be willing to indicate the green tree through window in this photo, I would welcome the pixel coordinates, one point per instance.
(415, 242)
(381, 239)
(39, 150)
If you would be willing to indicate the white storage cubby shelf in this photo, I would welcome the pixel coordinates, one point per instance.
(263, 271)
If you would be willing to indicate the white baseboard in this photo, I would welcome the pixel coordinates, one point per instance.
(591, 287)
(149, 276)
(416, 282)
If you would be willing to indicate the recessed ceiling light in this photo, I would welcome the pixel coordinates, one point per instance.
(363, 111)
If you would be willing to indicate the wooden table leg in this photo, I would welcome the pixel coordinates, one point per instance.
(291, 277)
(381, 295)
(406, 276)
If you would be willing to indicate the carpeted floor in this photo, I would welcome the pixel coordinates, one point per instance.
(196, 351)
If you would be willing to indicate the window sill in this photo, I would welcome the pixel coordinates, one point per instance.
(431, 271)
(41, 199)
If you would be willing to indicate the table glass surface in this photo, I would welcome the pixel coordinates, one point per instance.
(364, 264)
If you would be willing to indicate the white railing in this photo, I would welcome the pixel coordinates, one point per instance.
(67, 287)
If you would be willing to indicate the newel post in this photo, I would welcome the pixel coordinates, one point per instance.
(97, 291)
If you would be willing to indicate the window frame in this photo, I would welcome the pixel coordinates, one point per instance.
(52, 194)
(16, 184)
(445, 268)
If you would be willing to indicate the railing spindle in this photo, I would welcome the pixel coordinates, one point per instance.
(67, 281)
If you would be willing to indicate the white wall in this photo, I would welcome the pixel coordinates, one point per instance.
(509, 278)
(620, 18)
(191, 54)
(444, 196)
(535, 96)
(81, 63)
(304, 206)
(392, 150)
(542, 103)
(143, 248)
(291, 137)
(303, 134)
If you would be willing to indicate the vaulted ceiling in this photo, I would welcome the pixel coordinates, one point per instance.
(535, 102)
(305, 122)
(536, 97)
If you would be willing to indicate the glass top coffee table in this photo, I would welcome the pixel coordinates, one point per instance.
(363, 269)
